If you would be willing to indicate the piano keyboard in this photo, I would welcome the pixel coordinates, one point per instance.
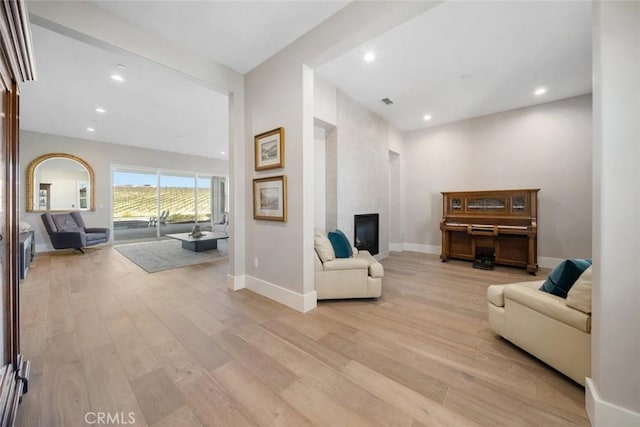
(510, 227)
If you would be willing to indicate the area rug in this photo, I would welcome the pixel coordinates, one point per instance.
(168, 254)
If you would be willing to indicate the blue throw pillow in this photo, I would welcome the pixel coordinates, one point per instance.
(341, 245)
(562, 278)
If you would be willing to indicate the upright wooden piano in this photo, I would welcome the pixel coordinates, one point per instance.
(504, 220)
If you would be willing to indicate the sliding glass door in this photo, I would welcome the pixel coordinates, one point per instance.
(219, 203)
(177, 203)
(152, 204)
(204, 201)
(135, 205)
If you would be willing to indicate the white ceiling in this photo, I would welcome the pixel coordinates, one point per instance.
(456, 61)
(467, 59)
(239, 34)
(154, 108)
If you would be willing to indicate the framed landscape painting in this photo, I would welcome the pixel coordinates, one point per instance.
(270, 198)
(270, 149)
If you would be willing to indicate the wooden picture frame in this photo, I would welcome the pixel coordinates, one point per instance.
(270, 198)
(269, 149)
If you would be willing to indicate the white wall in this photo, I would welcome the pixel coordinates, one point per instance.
(331, 179)
(101, 156)
(320, 148)
(396, 190)
(546, 146)
(363, 168)
(325, 112)
(396, 226)
(275, 251)
(279, 92)
(613, 391)
(324, 101)
(395, 139)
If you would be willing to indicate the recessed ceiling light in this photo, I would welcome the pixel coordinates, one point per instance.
(540, 91)
(100, 110)
(122, 67)
(427, 117)
(223, 153)
(91, 130)
(117, 77)
(369, 56)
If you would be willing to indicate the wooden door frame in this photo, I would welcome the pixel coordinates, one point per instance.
(16, 66)
(16, 55)
(12, 275)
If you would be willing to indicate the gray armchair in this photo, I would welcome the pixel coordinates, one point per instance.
(67, 231)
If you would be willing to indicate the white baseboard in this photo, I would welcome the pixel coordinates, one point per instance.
(235, 283)
(396, 247)
(310, 301)
(381, 255)
(589, 401)
(425, 249)
(44, 247)
(546, 262)
(605, 414)
(299, 302)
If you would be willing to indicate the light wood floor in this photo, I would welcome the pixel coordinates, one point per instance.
(177, 348)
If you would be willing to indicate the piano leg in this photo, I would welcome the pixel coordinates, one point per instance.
(532, 259)
(445, 245)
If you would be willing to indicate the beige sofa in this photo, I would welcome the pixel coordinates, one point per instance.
(553, 329)
(336, 278)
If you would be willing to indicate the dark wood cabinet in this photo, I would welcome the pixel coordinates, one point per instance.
(503, 222)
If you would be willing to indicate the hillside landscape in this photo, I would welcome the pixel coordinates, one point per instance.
(139, 202)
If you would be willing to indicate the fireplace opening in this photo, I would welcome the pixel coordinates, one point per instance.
(366, 232)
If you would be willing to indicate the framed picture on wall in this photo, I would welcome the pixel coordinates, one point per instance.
(270, 198)
(269, 149)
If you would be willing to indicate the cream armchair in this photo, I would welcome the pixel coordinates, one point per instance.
(553, 329)
(336, 278)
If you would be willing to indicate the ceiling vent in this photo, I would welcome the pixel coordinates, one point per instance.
(387, 101)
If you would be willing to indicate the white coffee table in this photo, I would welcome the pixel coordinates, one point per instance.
(208, 240)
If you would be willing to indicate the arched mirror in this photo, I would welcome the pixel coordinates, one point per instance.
(60, 182)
